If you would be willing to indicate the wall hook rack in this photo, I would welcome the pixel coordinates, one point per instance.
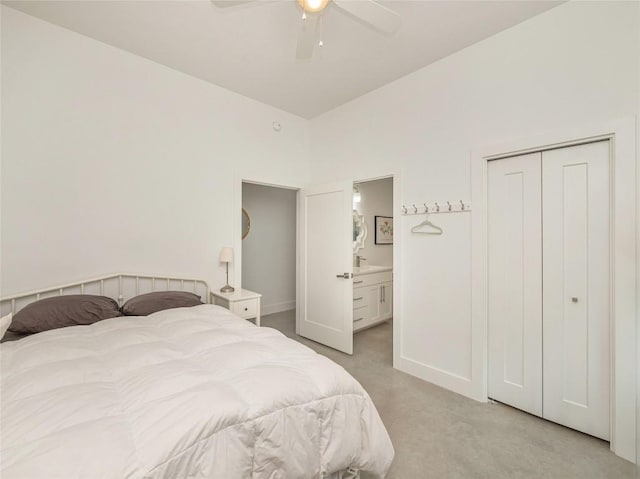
(458, 206)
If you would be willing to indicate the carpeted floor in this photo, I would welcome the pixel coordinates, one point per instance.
(440, 434)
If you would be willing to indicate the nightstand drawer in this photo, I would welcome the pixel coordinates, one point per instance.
(245, 309)
(242, 302)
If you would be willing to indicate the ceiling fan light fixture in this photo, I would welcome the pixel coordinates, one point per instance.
(313, 6)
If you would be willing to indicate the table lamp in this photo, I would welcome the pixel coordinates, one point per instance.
(226, 256)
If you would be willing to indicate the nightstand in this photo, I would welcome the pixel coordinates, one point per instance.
(242, 302)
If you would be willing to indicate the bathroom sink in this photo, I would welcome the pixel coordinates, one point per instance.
(370, 268)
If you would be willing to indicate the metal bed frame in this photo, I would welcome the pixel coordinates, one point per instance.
(119, 286)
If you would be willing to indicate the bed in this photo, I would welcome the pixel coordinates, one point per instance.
(185, 392)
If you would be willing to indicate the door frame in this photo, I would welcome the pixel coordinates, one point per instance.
(236, 211)
(237, 227)
(622, 136)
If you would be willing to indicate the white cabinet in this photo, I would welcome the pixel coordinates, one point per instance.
(372, 299)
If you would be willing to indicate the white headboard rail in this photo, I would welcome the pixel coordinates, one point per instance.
(119, 286)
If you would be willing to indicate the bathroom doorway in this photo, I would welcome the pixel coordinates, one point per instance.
(373, 265)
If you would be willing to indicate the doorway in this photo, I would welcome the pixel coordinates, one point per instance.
(269, 240)
(373, 254)
(337, 266)
(338, 296)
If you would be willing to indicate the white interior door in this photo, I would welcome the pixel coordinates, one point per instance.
(326, 252)
(515, 282)
(575, 184)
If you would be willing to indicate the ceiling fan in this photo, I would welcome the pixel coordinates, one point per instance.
(370, 12)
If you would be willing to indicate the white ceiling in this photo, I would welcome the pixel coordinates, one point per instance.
(250, 49)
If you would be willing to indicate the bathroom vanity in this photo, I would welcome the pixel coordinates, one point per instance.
(372, 295)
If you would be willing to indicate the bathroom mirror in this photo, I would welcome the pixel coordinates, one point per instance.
(359, 231)
(246, 223)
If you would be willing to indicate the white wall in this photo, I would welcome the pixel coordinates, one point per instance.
(269, 250)
(377, 200)
(111, 162)
(573, 65)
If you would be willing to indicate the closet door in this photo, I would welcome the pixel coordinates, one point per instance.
(575, 183)
(515, 282)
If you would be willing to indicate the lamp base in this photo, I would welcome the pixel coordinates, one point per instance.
(227, 289)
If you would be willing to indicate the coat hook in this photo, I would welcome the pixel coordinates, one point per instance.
(404, 209)
(437, 207)
(449, 205)
(462, 205)
(426, 208)
(415, 209)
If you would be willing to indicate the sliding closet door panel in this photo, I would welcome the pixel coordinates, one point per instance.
(576, 282)
(515, 282)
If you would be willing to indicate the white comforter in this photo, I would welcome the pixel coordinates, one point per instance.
(189, 392)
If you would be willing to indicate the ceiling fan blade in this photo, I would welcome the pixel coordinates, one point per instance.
(307, 37)
(230, 3)
(378, 16)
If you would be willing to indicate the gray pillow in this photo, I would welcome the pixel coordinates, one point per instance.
(146, 304)
(62, 311)
(11, 336)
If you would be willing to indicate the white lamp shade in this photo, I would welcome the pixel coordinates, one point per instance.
(226, 254)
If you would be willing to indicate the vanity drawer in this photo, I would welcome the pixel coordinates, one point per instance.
(360, 298)
(373, 278)
(360, 316)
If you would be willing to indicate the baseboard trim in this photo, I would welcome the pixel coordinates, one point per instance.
(277, 307)
(439, 377)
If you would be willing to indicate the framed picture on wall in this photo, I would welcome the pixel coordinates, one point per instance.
(384, 230)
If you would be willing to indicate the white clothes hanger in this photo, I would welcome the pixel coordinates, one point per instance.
(426, 222)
